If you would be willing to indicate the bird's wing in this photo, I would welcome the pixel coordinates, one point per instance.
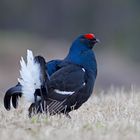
(65, 85)
(66, 81)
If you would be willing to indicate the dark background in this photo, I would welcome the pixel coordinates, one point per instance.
(48, 27)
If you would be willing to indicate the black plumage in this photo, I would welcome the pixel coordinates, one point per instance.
(65, 84)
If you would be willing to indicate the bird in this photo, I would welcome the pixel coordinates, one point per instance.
(57, 86)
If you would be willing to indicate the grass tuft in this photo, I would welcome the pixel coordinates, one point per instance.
(115, 115)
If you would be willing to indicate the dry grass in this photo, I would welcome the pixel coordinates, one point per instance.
(115, 116)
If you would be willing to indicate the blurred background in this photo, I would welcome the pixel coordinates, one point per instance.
(48, 28)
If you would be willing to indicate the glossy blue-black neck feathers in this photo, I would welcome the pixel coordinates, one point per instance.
(82, 55)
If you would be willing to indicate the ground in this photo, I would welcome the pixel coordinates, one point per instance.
(113, 115)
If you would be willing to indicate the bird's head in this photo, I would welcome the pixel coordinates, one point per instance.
(84, 42)
(88, 40)
(81, 52)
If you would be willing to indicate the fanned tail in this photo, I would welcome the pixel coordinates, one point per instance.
(29, 76)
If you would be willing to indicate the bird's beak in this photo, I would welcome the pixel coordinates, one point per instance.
(97, 41)
(94, 41)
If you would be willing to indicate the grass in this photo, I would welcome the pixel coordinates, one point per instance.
(115, 116)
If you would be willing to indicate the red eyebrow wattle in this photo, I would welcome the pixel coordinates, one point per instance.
(89, 36)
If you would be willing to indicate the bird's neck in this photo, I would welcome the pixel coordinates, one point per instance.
(83, 57)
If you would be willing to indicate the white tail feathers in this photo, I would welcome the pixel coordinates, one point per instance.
(29, 76)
